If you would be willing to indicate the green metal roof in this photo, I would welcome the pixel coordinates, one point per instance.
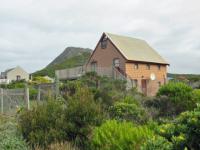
(135, 49)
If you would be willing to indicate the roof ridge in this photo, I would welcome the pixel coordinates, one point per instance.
(119, 35)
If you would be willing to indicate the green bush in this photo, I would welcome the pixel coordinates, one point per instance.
(128, 109)
(184, 131)
(10, 139)
(81, 115)
(59, 121)
(113, 135)
(40, 126)
(179, 94)
(196, 95)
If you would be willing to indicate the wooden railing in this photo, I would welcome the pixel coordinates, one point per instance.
(71, 73)
(74, 73)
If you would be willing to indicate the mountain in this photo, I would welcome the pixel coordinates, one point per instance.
(189, 77)
(70, 57)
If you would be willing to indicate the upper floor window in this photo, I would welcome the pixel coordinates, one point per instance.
(136, 66)
(148, 66)
(104, 42)
(116, 62)
(159, 67)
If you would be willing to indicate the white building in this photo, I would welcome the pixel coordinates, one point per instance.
(13, 74)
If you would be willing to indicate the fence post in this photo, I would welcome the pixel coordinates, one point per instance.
(57, 87)
(27, 97)
(1, 101)
(39, 93)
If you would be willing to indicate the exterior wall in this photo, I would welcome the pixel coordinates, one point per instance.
(104, 57)
(12, 75)
(143, 73)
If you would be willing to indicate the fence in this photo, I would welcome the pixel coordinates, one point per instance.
(47, 91)
(14, 99)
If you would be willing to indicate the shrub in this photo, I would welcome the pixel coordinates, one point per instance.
(59, 121)
(9, 137)
(40, 126)
(59, 146)
(81, 115)
(179, 94)
(128, 109)
(196, 95)
(113, 135)
(184, 131)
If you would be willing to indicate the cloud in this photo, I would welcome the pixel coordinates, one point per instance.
(34, 32)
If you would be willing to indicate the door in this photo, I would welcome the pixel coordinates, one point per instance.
(144, 86)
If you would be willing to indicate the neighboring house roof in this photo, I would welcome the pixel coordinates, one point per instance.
(135, 49)
(8, 70)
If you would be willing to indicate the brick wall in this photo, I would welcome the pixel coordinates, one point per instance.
(143, 73)
(104, 57)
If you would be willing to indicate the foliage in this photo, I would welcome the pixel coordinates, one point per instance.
(81, 115)
(113, 135)
(9, 137)
(196, 95)
(40, 126)
(179, 94)
(59, 146)
(70, 120)
(128, 109)
(40, 80)
(184, 131)
(14, 85)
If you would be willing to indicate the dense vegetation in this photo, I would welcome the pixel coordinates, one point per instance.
(98, 113)
(9, 137)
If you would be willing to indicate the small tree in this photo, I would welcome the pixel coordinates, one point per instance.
(179, 94)
(128, 109)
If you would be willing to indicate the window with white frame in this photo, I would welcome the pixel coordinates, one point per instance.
(116, 62)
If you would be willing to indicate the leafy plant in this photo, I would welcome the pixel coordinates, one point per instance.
(179, 94)
(9, 137)
(40, 126)
(184, 131)
(113, 135)
(128, 109)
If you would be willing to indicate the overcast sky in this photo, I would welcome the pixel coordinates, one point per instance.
(34, 32)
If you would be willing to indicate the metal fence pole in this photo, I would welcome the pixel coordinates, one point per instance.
(39, 93)
(57, 87)
(1, 101)
(27, 97)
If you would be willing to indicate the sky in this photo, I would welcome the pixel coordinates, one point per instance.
(34, 32)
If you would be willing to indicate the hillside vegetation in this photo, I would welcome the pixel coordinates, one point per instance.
(70, 57)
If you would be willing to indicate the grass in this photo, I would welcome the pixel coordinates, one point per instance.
(10, 138)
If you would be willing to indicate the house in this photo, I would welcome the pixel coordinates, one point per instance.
(130, 59)
(13, 74)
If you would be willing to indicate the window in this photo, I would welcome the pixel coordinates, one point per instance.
(159, 67)
(104, 42)
(148, 67)
(136, 82)
(116, 62)
(93, 66)
(136, 66)
(159, 84)
(18, 77)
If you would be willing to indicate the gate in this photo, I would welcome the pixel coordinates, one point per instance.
(13, 100)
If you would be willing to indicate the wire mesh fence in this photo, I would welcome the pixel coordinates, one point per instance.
(47, 91)
(13, 100)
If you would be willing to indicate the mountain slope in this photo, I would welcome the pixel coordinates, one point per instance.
(70, 57)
